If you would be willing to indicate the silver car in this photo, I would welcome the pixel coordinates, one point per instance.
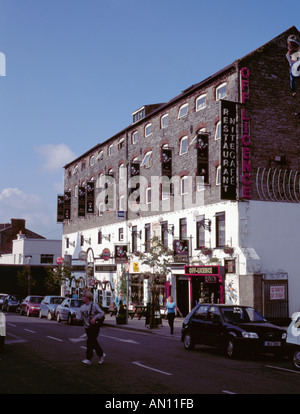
(49, 305)
(67, 310)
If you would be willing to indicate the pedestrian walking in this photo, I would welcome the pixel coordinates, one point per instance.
(171, 306)
(91, 315)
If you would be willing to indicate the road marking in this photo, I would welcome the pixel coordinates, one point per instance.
(81, 338)
(150, 368)
(17, 339)
(228, 392)
(283, 369)
(129, 341)
(11, 324)
(55, 339)
(28, 330)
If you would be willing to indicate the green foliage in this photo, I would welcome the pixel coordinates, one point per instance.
(57, 275)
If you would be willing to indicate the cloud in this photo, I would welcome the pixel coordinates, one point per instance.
(55, 157)
(15, 203)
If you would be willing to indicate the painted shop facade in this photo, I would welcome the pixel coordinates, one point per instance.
(214, 173)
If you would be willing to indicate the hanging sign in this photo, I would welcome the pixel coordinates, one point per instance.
(81, 201)
(60, 208)
(90, 197)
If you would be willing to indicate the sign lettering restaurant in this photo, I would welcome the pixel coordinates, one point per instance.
(245, 139)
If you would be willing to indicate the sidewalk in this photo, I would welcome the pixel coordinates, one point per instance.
(139, 325)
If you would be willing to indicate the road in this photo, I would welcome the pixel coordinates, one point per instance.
(44, 356)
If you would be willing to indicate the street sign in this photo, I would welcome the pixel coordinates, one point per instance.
(59, 260)
(127, 267)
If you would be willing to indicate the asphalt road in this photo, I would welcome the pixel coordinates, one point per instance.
(44, 357)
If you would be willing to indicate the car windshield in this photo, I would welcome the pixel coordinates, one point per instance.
(35, 299)
(236, 314)
(56, 301)
(76, 303)
(13, 297)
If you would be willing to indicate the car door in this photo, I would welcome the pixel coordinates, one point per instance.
(44, 306)
(214, 327)
(65, 309)
(197, 324)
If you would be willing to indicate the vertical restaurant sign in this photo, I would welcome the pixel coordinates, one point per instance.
(67, 205)
(60, 208)
(90, 197)
(245, 139)
(81, 201)
(202, 156)
(228, 150)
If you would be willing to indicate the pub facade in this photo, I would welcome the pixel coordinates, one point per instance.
(213, 173)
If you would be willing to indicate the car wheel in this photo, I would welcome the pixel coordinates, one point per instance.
(188, 341)
(49, 316)
(70, 319)
(40, 314)
(58, 317)
(231, 350)
(296, 359)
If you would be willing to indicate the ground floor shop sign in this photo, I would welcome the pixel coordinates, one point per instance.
(206, 284)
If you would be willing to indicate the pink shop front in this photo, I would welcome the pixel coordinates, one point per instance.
(200, 284)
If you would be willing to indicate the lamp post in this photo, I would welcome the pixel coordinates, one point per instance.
(127, 289)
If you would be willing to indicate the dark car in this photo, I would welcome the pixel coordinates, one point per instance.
(234, 328)
(2, 297)
(11, 303)
(49, 305)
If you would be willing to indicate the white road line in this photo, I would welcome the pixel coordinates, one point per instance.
(228, 392)
(130, 341)
(11, 324)
(55, 339)
(28, 330)
(283, 369)
(152, 369)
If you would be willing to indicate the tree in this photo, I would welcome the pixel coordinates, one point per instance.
(57, 276)
(25, 280)
(157, 259)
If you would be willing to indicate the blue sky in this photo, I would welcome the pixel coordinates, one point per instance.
(77, 69)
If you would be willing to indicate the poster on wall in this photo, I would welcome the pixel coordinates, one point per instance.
(67, 205)
(90, 197)
(60, 208)
(81, 201)
(202, 157)
(181, 251)
(228, 180)
(121, 253)
(166, 165)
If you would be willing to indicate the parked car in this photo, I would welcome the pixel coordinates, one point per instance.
(233, 328)
(2, 297)
(293, 340)
(31, 305)
(67, 310)
(2, 331)
(49, 305)
(11, 303)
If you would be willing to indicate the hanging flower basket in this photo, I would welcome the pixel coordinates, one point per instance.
(207, 251)
(228, 249)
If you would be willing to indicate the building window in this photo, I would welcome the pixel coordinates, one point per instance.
(183, 110)
(200, 241)
(121, 234)
(201, 102)
(220, 229)
(92, 160)
(164, 233)
(148, 130)
(221, 91)
(147, 160)
(183, 145)
(184, 185)
(147, 237)
(122, 171)
(182, 228)
(164, 122)
(100, 155)
(47, 258)
(134, 239)
(218, 175)
(218, 131)
(76, 191)
(148, 195)
(121, 144)
(99, 237)
(110, 150)
(81, 240)
(135, 137)
(67, 242)
(122, 203)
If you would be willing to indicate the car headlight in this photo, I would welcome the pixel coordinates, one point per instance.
(283, 336)
(251, 335)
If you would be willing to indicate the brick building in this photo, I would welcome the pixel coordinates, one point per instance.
(228, 149)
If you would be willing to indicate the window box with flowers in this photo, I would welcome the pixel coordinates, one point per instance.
(228, 250)
(207, 251)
